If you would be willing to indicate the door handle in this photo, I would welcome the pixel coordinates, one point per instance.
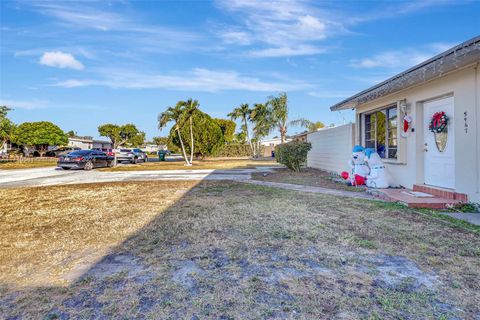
(425, 147)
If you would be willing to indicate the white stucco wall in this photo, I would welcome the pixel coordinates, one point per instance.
(331, 148)
(464, 86)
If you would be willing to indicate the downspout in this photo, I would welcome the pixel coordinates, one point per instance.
(477, 124)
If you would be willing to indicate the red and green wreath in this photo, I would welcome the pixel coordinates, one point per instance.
(439, 122)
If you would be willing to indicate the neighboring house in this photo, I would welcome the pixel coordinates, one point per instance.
(269, 145)
(300, 137)
(88, 143)
(151, 148)
(272, 142)
(415, 157)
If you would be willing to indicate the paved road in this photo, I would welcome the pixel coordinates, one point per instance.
(55, 176)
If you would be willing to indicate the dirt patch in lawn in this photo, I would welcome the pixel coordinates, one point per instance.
(307, 177)
(228, 250)
(197, 165)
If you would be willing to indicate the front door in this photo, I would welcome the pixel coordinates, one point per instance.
(439, 148)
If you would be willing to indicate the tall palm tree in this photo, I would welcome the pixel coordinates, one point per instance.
(175, 114)
(261, 117)
(190, 109)
(309, 125)
(243, 112)
(279, 113)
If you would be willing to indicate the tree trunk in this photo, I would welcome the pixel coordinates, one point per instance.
(183, 147)
(248, 137)
(192, 141)
(283, 133)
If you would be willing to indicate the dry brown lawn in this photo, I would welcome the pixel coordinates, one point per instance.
(197, 165)
(308, 177)
(10, 165)
(227, 250)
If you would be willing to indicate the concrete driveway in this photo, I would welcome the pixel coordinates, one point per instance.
(57, 176)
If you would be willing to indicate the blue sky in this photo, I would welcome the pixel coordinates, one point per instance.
(81, 64)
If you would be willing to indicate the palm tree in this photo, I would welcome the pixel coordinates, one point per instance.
(261, 118)
(190, 109)
(175, 114)
(243, 112)
(279, 113)
(309, 125)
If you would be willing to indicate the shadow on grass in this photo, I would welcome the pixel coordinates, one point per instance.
(226, 250)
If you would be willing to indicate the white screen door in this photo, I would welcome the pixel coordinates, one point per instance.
(439, 149)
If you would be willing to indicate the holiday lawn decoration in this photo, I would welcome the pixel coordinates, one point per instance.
(358, 166)
(438, 125)
(407, 123)
(439, 122)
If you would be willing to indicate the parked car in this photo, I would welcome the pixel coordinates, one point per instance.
(62, 151)
(108, 151)
(85, 159)
(131, 155)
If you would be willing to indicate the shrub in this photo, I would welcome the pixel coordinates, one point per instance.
(293, 154)
(235, 150)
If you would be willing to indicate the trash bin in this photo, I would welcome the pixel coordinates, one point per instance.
(161, 155)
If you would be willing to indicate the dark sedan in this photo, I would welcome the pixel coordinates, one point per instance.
(85, 159)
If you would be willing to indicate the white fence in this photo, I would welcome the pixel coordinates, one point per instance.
(331, 148)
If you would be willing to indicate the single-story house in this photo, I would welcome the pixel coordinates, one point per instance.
(268, 145)
(425, 123)
(300, 136)
(151, 147)
(86, 143)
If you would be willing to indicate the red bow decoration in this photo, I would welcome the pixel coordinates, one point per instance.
(437, 118)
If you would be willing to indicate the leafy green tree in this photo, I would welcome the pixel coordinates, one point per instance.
(71, 134)
(228, 128)
(7, 132)
(243, 112)
(160, 141)
(175, 114)
(261, 118)
(127, 134)
(40, 135)
(3, 111)
(240, 137)
(207, 134)
(279, 113)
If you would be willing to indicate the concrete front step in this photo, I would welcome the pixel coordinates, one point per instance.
(413, 199)
(441, 193)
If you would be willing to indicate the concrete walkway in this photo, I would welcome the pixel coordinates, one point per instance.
(296, 187)
(473, 218)
(55, 176)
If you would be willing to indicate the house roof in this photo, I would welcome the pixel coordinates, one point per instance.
(453, 59)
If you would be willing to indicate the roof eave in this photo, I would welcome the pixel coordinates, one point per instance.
(460, 56)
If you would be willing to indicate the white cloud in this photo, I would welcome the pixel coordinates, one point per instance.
(24, 104)
(60, 59)
(194, 80)
(283, 28)
(400, 58)
(287, 51)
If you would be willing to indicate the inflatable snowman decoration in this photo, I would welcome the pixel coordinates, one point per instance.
(378, 174)
(359, 168)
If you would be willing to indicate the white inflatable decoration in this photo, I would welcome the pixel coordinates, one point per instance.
(378, 174)
(358, 164)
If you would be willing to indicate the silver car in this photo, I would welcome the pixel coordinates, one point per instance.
(131, 155)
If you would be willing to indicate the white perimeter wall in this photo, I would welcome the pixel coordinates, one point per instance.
(331, 148)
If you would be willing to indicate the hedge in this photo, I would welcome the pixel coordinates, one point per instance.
(293, 154)
(235, 150)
